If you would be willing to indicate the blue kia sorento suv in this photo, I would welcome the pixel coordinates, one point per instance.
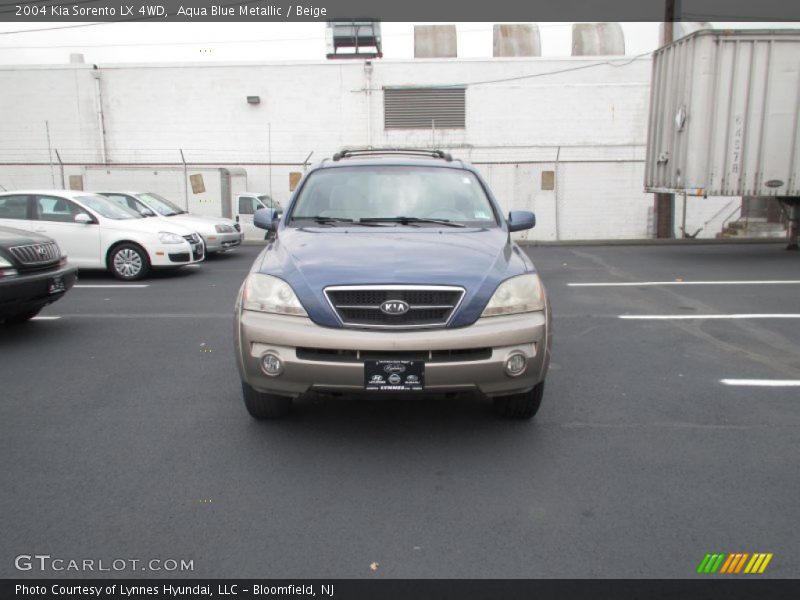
(393, 272)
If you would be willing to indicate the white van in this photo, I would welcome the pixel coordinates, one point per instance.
(245, 206)
(97, 233)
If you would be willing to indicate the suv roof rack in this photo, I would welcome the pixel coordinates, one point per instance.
(352, 152)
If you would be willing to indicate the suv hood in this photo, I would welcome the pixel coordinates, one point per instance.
(19, 237)
(312, 259)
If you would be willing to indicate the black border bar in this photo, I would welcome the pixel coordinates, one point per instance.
(705, 588)
(496, 11)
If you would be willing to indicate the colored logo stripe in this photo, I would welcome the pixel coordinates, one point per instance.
(726, 566)
(734, 563)
(710, 563)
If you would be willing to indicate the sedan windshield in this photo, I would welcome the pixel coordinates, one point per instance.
(160, 204)
(107, 208)
(401, 195)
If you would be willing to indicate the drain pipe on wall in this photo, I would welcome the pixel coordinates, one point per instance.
(368, 73)
(100, 118)
(557, 186)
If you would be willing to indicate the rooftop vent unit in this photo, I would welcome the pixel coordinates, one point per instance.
(597, 39)
(354, 39)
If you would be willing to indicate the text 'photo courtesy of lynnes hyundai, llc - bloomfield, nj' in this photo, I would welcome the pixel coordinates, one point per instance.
(291, 302)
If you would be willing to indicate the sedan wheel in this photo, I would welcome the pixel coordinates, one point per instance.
(129, 262)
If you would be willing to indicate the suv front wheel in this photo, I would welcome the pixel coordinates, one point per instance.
(265, 406)
(520, 406)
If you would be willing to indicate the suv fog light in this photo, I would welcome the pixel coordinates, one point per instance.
(271, 365)
(515, 365)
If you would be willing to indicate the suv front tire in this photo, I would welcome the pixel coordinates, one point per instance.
(520, 406)
(265, 406)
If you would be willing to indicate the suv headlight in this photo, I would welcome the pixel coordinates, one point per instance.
(520, 294)
(6, 268)
(165, 237)
(269, 294)
(222, 228)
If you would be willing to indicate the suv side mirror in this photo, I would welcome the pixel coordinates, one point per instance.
(146, 212)
(519, 220)
(264, 218)
(83, 218)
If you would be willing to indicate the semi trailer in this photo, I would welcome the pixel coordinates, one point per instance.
(723, 118)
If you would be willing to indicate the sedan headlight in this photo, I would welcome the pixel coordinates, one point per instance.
(520, 294)
(222, 228)
(165, 237)
(269, 294)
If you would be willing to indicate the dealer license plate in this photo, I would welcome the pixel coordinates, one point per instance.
(56, 285)
(394, 375)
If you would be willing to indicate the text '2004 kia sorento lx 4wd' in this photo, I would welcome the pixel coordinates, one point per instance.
(393, 272)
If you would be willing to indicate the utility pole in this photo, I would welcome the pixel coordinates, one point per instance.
(664, 204)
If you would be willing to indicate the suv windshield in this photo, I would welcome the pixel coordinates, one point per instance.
(404, 195)
(108, 208)
(160, 204)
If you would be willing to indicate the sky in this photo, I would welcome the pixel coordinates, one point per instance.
(107, 43)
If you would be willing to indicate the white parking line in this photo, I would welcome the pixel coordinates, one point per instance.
(762, 382)
(48, 318)
(645, 283)
(734, 316)
(113, 285)
(143, 316)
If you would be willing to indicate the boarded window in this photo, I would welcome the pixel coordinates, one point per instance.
(198, 187)
(548, 180)
(424, 108)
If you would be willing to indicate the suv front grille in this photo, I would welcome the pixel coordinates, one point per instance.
(428, 306)
(36, 254)
(433, 356)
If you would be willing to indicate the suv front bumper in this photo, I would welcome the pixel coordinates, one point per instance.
(498, 338)
(31, 290)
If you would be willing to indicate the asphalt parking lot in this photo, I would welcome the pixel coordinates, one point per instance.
(123, 435)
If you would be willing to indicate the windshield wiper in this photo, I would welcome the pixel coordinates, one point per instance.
(411, 221)
(324, 220)
(329, 220)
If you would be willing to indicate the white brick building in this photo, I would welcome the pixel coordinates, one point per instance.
(564, 137)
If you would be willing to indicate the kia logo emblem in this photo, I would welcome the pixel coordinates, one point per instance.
(394, 307)
(394, 369)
